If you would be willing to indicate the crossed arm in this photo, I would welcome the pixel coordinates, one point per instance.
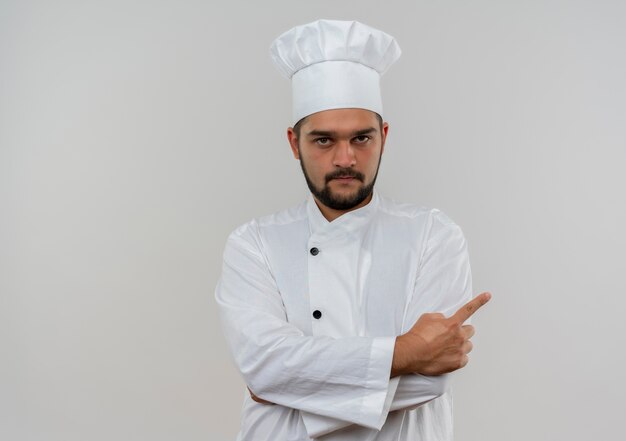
(284, 366)
(434, 346)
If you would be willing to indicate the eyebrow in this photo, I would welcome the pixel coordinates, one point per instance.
(331, 134)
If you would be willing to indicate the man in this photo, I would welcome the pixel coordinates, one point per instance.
(345, 313)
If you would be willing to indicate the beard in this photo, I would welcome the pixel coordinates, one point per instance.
(339, 202)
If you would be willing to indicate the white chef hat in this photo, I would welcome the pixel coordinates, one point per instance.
(334, 64)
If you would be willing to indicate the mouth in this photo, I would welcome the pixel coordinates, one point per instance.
(345, 176)
(345, 179)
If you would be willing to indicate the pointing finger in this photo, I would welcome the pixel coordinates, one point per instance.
(471, 307)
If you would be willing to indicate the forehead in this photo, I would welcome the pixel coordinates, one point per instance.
(340, 120)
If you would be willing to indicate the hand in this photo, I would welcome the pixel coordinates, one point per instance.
(436, 345)
(257, 399)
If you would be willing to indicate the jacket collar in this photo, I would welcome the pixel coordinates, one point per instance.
(348, 224)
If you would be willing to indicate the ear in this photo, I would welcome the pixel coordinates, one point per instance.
(384, 136)
(293, 142)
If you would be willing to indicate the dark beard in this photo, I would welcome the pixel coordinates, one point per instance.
(325, 195)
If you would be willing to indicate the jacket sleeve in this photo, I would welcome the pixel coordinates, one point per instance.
(443, 284)
(343, 378)
(404, 393)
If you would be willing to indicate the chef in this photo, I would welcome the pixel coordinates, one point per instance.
(347, 313)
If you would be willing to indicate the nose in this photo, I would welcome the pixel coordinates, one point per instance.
(344, 155)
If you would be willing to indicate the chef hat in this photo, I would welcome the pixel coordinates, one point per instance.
(334, 64)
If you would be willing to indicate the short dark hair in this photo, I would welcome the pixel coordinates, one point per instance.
(297, 126)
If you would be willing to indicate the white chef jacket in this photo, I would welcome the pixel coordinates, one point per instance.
(310, 310)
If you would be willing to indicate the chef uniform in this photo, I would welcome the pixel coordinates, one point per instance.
(311, 308)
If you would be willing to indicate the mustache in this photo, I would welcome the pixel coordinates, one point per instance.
(345, 173)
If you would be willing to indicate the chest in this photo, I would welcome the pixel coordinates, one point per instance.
(356, 284)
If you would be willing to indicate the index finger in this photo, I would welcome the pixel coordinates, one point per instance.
(467, 310)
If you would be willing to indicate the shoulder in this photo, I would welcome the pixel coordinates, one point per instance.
(415, 212)
(251, 232)
(433, 223)
(392, 208)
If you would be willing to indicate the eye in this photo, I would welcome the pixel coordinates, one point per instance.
(362, 139)
(323, 141)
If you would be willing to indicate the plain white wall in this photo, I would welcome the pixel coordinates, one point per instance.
(135, 135)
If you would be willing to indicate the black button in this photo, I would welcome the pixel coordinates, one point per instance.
(315, 251)
(317, 314)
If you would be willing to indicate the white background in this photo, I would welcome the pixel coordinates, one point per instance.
(135, 135)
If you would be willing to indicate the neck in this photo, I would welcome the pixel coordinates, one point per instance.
(331, 214)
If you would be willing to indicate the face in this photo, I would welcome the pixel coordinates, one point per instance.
(339, 152)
